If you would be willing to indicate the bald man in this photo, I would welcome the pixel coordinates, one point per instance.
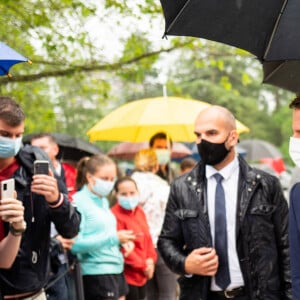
(226, 224)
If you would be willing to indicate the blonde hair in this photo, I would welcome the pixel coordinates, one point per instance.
(145, 160)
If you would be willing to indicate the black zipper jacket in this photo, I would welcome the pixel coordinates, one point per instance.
(261, 233)
(30, 269)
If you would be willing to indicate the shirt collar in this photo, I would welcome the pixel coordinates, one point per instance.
(226, 172)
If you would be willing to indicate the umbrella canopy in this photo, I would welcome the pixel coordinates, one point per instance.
(138, 120)
(256, 150)
(127, 150)
(70, 148)
(268, 29)
(8, 58)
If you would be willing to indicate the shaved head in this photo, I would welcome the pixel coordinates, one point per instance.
(219, 113)
(216, 125)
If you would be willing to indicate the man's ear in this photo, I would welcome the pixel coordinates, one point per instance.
(234, 138)
(55, 150)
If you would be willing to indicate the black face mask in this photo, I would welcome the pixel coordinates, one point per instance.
(212, 153)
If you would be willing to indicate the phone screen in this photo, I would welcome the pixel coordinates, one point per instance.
(41, 167)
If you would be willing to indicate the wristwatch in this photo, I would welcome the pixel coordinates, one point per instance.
(19, 231)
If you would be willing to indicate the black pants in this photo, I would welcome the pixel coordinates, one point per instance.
(136, 292)
(103, 287)
(214, 296)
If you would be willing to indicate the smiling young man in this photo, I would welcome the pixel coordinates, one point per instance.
(43, 204)
(225, 228)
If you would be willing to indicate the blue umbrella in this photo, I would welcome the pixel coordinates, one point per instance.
(8, 58)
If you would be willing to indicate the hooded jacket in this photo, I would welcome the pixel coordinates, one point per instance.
(261, 233)
(29, 272)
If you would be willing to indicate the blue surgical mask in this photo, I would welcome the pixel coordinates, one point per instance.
(163, 156)
(102, 187)
(128, 203)
(9, 147)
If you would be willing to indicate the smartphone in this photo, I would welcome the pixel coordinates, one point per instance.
(41, 167)
(7, 188)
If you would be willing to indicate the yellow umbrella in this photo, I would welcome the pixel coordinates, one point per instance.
(138, 120)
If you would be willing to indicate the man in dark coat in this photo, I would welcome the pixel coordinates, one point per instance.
(43, 204)
(250, 259)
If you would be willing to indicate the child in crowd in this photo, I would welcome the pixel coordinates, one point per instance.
(139, 263)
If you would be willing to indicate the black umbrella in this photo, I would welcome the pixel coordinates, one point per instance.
(258, 149)
(70, 147)
(268, 29)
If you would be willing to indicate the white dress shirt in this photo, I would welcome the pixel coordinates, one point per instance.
(230, 185)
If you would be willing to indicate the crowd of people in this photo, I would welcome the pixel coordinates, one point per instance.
(219, 229)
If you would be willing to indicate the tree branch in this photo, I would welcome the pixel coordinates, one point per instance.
(84, 68)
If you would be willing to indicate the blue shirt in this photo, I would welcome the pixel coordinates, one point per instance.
(97, 245)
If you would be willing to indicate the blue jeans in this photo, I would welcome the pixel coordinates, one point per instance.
(59, 290)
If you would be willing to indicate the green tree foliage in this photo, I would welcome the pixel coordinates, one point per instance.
(91, 56)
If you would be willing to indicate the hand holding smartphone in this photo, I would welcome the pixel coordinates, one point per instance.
(7, 188)
(44, 185)
(41, 167)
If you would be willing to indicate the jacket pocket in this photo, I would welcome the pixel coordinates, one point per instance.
(262, 224)
(183, 214)
(194, 229)
(262, 209)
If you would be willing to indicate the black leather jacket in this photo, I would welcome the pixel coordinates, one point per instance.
(30, 269)
(261, 233)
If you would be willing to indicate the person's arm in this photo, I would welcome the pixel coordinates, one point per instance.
(9, 248)
(131, 257)
(85, 244)
(62, 213)
(171, 244)
(134, 260)
(12, 211)
(151, 255)
(66, 218)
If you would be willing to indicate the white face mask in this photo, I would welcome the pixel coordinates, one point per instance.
(294, 150)
(163, 156)
(102, 187)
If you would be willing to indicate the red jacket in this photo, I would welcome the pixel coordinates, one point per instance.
(135, 262)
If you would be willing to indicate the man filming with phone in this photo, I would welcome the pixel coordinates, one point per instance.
(43, 204)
